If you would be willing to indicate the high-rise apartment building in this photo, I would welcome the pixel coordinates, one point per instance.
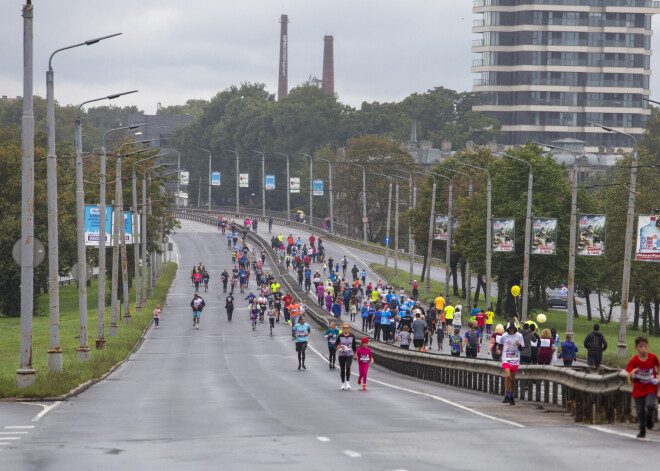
(548, 66)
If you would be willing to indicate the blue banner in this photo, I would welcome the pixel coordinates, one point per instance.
(270, 182)
(317, 188)
(215, 178)
(92, 225)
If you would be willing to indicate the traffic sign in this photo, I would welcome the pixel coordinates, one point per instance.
(365, 219)
(38, 249)
(387, 241)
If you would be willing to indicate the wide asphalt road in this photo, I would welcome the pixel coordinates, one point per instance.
(227, 397)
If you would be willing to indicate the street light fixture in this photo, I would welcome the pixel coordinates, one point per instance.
(263, 182)
(528, 230)
(412, 196)
(311, 188)
(468, 281)
(489, 228)
(389, 212)
(621, 346)
(288, 186)
(571, 242)
(83, 349)
(55, 352)
(237, 179)
(209, 152)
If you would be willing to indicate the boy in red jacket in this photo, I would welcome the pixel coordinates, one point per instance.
(643, 371)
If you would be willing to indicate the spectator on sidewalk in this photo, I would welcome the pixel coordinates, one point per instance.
(595, 344)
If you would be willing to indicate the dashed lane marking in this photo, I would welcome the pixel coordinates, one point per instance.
(352, 454)
(323, 439)
(18, 426)
(437, 398)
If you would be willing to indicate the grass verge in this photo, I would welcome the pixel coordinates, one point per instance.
(555, 318)
(74, 373)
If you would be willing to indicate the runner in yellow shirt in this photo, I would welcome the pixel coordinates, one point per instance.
(449, 318)
(489, 320)
(439, 303)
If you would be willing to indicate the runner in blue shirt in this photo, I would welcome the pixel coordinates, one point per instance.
(301, 331)
(385, 318)
(377, 325)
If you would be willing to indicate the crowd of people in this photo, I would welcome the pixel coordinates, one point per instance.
(396, 318)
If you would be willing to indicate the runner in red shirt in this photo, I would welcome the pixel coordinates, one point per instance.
(643, 371)
(287, 300)
(312, 239)
(481, 324)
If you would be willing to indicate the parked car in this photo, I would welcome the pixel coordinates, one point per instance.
(558, 298)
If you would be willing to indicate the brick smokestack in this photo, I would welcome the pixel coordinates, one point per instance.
(283, 70)
(328, 65)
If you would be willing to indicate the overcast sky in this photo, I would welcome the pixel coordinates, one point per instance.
(174, 50)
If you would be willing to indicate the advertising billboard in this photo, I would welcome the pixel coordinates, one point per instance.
(294, 185)
(544, 236)
(504, 235)
(270, 182)
(317, 188)
(648, 239)
(591, 234)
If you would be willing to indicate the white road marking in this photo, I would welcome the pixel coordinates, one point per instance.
(19, 426)
(600, 428)
(352, 454)
(437, 398)
(46, 408)
(12, 433)
(323, 439)
(11, 438)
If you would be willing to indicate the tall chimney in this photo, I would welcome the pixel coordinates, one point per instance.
(328, 65)
(283, 70)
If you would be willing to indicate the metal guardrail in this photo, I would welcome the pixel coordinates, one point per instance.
(591, 398)
(380, 249)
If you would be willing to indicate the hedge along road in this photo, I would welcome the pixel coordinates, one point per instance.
(364, 258)
(227, 396)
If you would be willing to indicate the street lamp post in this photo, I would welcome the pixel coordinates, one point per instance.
(288, 186)
(621, 346)
(136, 247)
(468, 281)
(83, 349)
(396, 231)
(209, 152)
(263, 182)
(331, 195)
(364, 199)
(389, 212)
(489, 228)
(237, 179)
(572, 241)
(55, 352)
(528, 230)
(311, 188)
(100, 341)
(411, 240)
(25, 375)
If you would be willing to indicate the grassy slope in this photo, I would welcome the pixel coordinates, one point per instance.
(73, 373)
(556, 318)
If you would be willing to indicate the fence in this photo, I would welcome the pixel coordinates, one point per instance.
(590, 398)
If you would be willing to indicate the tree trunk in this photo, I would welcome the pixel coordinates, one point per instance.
(454, 273)
(657, 318)
(462, 265)
(644, 317)
(609, 314)
(423, 267)
(498, 305)
(478, 289)
(601, 313)
(649, 317)
(636, 316)
(544, 299)
(575, 312)
(587, 296)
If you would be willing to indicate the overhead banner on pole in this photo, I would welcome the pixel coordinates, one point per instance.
(441, 227)
(184, 178)
(544, 236)
(92, 221)
(129, 236)
(648, 239)
(215, 178)
(243, 181)
(294, 185)
(317, 188)
(504, 235)
(591, 238)
(270, 182)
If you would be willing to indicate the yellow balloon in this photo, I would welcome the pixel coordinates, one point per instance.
(541, 318)
(515, 291)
